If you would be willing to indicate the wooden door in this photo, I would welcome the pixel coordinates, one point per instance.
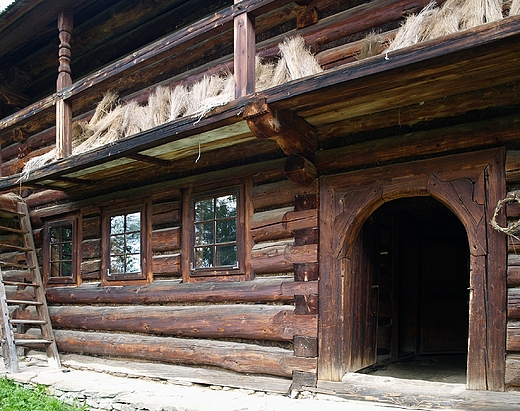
(362, 285)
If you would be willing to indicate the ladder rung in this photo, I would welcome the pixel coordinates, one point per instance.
(26, 302)
(16, 265)
(14, 247)
(20, 284)
(35, 322)
(30, 342)
(12, 230)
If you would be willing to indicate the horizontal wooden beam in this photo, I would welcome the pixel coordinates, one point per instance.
(239, 357)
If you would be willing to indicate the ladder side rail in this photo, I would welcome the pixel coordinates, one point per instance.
(42, 309)
(8, 345)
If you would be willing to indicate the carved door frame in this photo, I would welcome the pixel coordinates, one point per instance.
(470, 185)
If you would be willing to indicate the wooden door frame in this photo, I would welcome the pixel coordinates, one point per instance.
(470, 185)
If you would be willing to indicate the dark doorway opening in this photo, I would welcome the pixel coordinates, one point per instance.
(421, 288)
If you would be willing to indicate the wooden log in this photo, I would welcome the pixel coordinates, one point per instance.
(166, 239)
(512, 378)
(239, 357)
(300, 170)
(513, 303)
(271, 257)
(253, 322)
(267, 225)
(305, 346)
(513, 276)
(166, 265)
(260, 290)
(298, 220)
(308, 201)
(306, 236)
(302, 254)
(306, 304)
(513, 336)
(279, 194)
(306, 272)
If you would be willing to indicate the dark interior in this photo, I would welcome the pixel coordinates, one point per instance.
(422, 324)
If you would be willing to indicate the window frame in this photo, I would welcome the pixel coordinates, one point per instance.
(222, 273)
(146, 275)
(76, 222)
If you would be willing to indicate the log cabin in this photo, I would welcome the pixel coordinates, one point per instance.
(356, 216)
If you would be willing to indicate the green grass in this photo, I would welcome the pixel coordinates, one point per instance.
(13, 397)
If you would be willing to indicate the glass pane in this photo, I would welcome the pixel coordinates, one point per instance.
(55, 234)
(67, 269)
(66, 251)
(226, 231)
(55, 252)
(133, 243)
(204, 233)
(227, 255)
(117, 224)
(133, 263)
(204, 210)
(226, 206)
(117, 264)
(203, 257)
(133, 222)
(67, 233)
(55, 270)
(117, 244)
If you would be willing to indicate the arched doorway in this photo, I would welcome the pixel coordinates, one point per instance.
(420, 290)
(470, 186)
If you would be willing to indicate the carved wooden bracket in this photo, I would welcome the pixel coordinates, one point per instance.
(292, 133)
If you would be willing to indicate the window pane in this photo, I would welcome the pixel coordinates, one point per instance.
(67, 233)
(117, 264)
(66, 251)
(117, 224)
(227, 255)
(226, 206)
(54, 271)
(133, 243)
(204, 233)
(133, 222)
(203, 257)
(133, 263)
(55, 252)
(55, 234)
(204, 210)
(117, 244)
(226, 231)
(67, 269)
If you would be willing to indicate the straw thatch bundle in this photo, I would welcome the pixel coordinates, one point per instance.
(515, 8)
(113, 119)
(453, 16)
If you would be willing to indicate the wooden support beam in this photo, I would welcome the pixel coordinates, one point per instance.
(64, 107)
(292, 133)
(244, 57)
(151, 160)
(300, 170)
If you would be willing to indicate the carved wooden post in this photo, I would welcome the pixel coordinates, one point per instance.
(244, 59)
(63, 107)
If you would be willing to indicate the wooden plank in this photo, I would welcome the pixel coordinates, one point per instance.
(244, 54)
(275, 323)
(239, 357)
(513, 336)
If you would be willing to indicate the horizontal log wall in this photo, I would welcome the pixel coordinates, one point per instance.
(513, 275)
(273, 317)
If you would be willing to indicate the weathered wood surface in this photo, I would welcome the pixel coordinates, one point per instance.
(281, 193)
(279, 256)
(513, 370)
(513, 336)
(513, 303)
(267, 225)
(239, 357)
(272, 289)
(274, 323)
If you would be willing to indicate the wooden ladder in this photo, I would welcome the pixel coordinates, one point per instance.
(24, 313)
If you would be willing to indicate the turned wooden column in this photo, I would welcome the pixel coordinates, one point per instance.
(64, 107)
(244, 57)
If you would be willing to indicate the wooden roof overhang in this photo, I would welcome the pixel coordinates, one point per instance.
(471, 70)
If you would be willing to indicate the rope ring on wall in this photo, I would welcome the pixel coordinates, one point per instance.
(509, 230)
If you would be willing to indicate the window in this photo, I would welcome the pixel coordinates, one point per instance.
(61, 251)
(126, 254)
(214, 234)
